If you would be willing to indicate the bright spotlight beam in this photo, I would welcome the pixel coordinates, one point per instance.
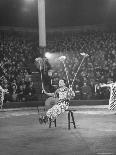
(48, 55)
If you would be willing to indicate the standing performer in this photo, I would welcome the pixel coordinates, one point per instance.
(2, 93)
(112, 100)
(64, 94)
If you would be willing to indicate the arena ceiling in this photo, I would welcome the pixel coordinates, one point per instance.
(59, 13)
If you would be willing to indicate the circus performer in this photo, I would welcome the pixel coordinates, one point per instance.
(112, 100)
(2, 93)
(64, 94)
(61, 96)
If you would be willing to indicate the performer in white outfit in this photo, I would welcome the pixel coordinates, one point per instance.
(2, 93)
(64, 94)
(112, 100)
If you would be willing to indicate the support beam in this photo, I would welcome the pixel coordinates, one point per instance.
(41, 23)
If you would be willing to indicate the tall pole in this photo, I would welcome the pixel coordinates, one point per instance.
(41, 23)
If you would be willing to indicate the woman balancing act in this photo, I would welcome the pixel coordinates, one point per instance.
(64, 94)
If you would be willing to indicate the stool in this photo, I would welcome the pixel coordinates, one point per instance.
(70, 114)
(50, 122)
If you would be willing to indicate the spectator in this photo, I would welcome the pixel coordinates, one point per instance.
(86, 91)
(30, 93)
(14, 93)
(18, 51)
(20, 94)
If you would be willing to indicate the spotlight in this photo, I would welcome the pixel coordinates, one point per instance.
(48, 55)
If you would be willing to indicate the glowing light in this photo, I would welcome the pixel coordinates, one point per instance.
(48, 55)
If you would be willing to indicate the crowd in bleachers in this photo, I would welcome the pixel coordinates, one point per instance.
(17, 51)
(99, 67)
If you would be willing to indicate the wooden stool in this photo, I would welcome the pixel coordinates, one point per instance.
(50, 122)
(70, 114)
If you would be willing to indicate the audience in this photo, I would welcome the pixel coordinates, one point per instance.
(97, 68)
(19, 51)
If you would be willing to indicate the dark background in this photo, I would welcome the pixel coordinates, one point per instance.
(59, 13)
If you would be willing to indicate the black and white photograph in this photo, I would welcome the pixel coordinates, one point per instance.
(57, 77)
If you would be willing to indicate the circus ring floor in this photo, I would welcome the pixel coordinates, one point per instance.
(21, 133)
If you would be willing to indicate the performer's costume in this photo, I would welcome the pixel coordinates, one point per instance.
(2, 92)
(63, 93)
(112, 100)
(62, 104)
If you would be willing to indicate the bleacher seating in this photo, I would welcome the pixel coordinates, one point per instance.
(18, 52)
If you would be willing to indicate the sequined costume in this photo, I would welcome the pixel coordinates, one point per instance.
(62, 103)
(64, 94)
(112, 100)
(2, 92)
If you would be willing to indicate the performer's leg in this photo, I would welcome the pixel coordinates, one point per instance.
(1, 104)
(110, 101)
(55, 111)
(112, 104)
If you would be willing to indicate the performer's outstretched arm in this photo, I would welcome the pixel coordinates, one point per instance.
(105, 85)
(49, 94)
